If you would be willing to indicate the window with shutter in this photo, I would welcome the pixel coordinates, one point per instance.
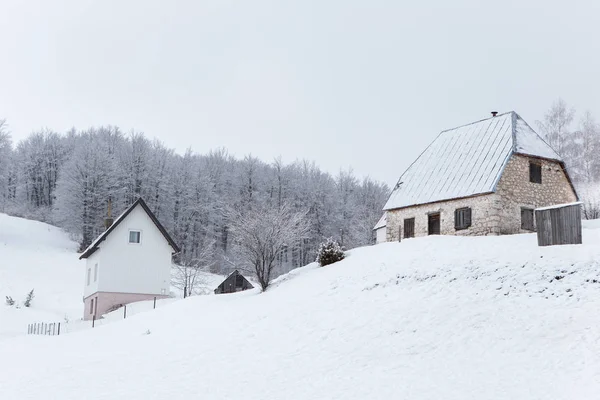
(535, 172)
(409, 228)
(527, 222)
(462, 218)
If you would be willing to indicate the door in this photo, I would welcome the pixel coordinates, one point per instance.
(433, 224)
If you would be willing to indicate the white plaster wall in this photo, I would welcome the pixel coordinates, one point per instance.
(134, 268)
(380, 235)
(89, 263)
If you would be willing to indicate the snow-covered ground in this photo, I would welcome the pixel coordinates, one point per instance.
(428, 318)
(34, 255)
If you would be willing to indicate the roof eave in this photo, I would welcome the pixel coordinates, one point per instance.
(440, 201)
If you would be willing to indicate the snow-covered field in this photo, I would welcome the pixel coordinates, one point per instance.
(428, 318)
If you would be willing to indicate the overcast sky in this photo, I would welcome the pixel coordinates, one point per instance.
(344, 83)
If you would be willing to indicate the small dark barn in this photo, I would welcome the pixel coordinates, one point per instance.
(233, 283)
(560, 224)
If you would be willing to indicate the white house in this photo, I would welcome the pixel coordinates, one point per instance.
(380, 229)
(130, 261)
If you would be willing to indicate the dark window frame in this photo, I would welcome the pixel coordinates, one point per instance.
(462, 218)
(535, 172)
(409, 233)
(528, 223)
(133, 235)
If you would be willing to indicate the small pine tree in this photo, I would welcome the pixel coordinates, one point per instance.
(30, 297)
(10, 301)
(329, 252)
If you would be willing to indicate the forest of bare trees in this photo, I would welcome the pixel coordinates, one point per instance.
(66, 180)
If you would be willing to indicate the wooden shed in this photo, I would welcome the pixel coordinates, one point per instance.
(559, 224)
(235, 282)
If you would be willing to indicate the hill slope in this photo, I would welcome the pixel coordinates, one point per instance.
(34, 255)
(429, 318)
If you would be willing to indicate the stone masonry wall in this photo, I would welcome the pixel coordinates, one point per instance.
(485, 219)
(497, 213)
(515, 190)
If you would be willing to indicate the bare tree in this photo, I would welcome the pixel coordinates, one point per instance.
(189, 269)
(588, 138)
(556, 127)
(262, 234)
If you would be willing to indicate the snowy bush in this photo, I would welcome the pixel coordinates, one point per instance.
(28, 299)
(10, 301)
(329, 252)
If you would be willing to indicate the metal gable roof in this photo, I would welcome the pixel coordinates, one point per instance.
(467, 161)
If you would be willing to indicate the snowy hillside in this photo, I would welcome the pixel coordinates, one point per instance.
(428, 318)
(34, 255)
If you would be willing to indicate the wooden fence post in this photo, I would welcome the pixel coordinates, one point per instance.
(94, 320)
(58, 329)
(125, 311)
(154, 302)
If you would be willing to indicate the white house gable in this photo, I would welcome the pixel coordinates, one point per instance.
(142, 267)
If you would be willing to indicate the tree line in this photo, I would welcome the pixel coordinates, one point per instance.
(577, 140)
(67, 179)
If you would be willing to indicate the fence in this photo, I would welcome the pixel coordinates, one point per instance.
(42, 328)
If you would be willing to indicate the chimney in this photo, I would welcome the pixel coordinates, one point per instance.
(108, 221)
(494, 113)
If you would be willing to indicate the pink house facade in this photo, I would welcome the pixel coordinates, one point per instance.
(129, 262)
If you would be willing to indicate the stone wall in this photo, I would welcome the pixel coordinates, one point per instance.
(516, 192)
(485, 219)
(497, 213)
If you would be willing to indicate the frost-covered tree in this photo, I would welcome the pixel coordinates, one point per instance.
(556, 127)
(588, 141)
(262, 234)
(189, 269)
(88, 180)
(75, 174)
(5, 164)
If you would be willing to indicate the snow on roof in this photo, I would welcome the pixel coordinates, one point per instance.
(467, 160)
(577, 203)
(381, 223)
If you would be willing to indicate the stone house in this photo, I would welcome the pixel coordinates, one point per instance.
(484, 178)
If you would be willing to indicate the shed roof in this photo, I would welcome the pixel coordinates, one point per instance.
(94, 246)
(467, 161)
(576, 203)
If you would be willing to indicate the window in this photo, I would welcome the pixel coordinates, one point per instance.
(535, 172)
(89, 274)
(462, 218)
(92, 306)
(134, 236)
(527, 222)
(409, 228)
(95, 272)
